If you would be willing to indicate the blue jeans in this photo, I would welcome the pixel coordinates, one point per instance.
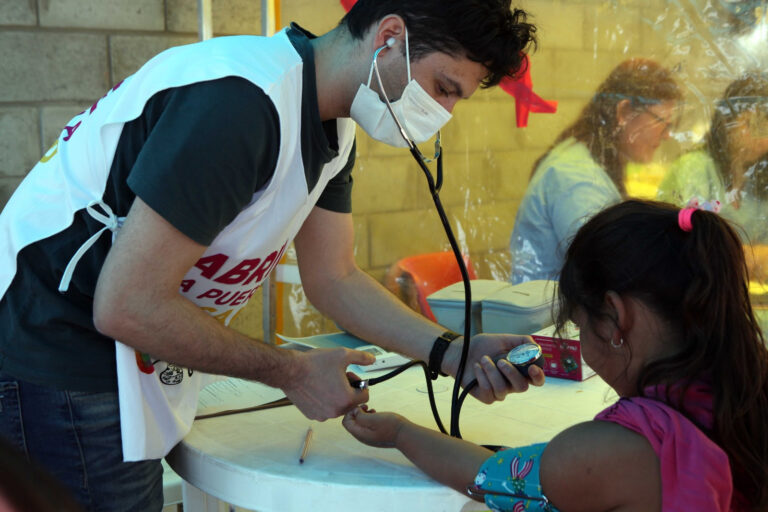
(75, 436)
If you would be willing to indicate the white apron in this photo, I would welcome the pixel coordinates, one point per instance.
(158, 400)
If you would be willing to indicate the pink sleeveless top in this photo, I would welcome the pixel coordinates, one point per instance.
(695, 472)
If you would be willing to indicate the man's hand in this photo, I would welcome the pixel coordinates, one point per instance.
(320, 388)
(494, 380)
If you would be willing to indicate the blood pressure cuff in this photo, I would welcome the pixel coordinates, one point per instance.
(509, 480)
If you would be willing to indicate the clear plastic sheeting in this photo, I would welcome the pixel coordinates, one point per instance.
(659, 99)
(687, 122)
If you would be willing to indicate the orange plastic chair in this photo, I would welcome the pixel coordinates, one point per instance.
(416, 277)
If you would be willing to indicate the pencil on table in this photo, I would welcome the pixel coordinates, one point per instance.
(305, 448)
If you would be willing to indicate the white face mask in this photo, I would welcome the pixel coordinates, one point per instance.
(420, 115)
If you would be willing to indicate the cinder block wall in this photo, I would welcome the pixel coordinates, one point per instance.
(58, 56)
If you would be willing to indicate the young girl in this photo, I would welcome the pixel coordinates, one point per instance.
(661, 299)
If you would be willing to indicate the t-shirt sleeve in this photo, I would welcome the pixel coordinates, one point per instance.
(213, 145)
(690, 176)
(337, 195)
(578, 194)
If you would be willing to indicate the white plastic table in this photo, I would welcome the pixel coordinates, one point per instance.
(251, 460)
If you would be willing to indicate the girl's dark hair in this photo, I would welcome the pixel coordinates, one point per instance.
(746, 93)
(697, 283)
(485, 31)
(643, 83)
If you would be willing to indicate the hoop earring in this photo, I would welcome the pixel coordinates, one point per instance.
(619, 344)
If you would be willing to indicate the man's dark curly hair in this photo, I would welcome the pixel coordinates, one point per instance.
(490, 32)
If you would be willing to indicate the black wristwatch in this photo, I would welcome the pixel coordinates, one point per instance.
(438, 352)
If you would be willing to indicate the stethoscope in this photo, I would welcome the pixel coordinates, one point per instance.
(435, 184)
(521, 356)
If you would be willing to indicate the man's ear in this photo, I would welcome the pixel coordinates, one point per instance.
(390, 26)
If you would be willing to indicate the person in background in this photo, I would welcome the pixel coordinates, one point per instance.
(584, 170)
(660, 298)
(731, 166)
(162, 208)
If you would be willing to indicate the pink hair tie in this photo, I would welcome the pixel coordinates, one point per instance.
(684, 216)
(684, 219)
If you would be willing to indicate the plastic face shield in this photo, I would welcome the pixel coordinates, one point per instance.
(758, 121)
(755, 106)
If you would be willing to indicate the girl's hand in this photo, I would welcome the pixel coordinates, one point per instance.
(372, 428)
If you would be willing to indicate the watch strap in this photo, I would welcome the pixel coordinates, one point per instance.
(438, 352)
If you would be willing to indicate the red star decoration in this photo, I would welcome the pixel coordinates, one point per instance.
(526, 101)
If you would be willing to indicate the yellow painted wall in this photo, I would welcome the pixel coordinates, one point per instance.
(59, 57)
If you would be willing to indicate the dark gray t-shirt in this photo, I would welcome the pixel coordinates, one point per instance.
(196, 155)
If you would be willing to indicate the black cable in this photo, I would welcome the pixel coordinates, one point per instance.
(456, 401)
(434, 191)
(460, 402)
(282, 402)
(439, 183)
(430, 391)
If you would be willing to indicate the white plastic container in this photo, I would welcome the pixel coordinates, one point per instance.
(448, 304)
(523, 308)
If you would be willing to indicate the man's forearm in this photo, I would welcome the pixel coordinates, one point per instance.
(362, 306)
(174, 329)
(177, 331)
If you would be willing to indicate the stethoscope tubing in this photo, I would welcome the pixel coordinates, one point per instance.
(434, 188)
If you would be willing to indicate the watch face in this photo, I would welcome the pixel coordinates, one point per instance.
(524, 354)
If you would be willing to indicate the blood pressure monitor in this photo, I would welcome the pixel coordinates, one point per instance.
(523, 356)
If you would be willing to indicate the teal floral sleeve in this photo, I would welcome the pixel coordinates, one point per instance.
(509, 480)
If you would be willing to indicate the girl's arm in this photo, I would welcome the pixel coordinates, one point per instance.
(450, 461)
(591, 466)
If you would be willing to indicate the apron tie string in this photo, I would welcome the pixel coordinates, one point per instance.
(111, 222)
